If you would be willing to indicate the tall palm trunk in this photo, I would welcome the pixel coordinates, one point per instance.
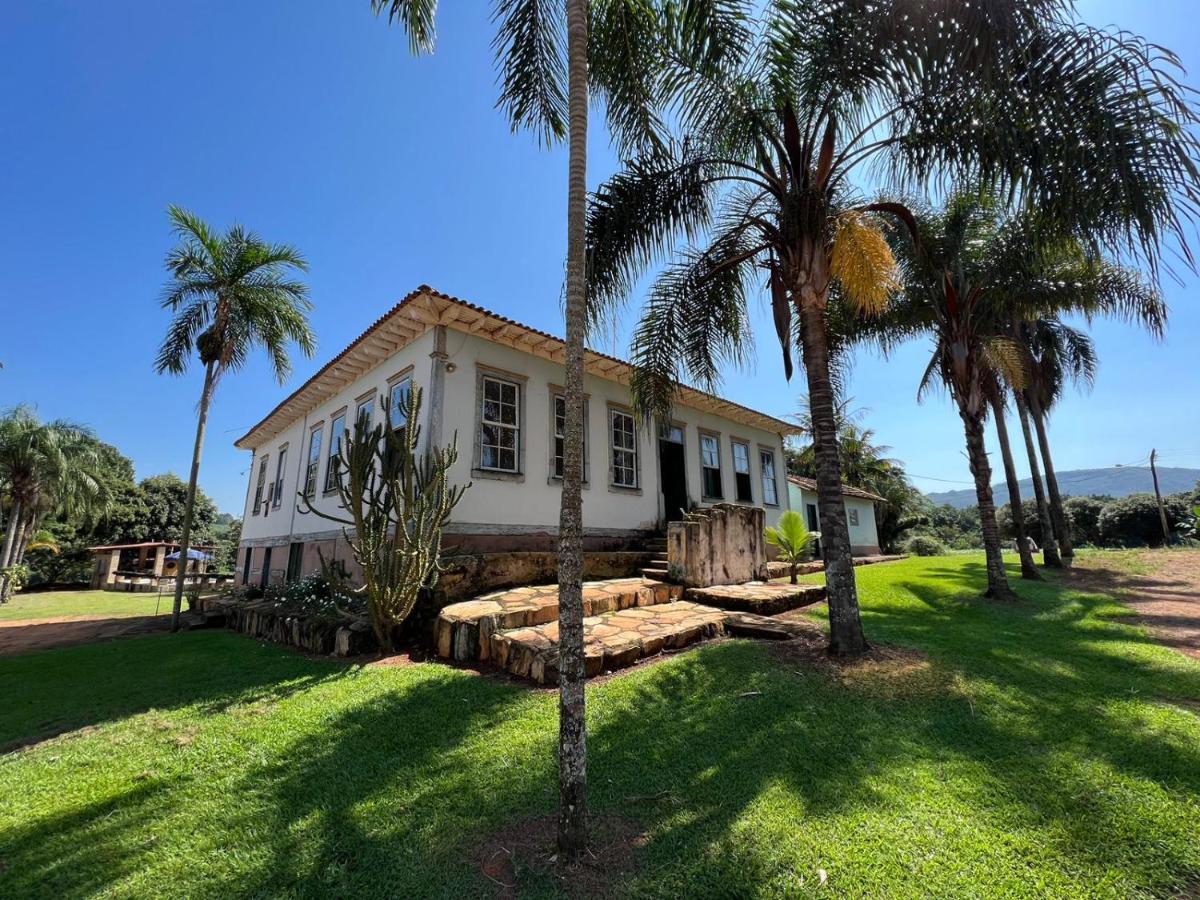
(1050, 555)
(981, 470)
(1028, 569)
(572, 726)
(846, 636)
(186, 534)
(1058, 515)
(10, 534)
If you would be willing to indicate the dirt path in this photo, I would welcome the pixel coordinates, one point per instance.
(29, 635)
(1167, 600)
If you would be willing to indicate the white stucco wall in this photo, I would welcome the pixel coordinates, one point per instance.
(530, 501)
(864, 534)
(287, 518)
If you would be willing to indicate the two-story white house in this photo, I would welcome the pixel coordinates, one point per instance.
(496, 385)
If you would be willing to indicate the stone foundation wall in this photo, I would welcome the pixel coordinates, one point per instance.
(721, 545)
(469, 575)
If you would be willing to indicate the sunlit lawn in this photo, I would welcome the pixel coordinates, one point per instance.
(82, 603)
(1045, 749)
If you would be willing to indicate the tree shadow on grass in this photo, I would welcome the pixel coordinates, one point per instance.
(49, 693)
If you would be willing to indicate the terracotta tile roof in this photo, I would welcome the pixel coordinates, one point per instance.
(808, 484)
(424, 308)
(170, 544)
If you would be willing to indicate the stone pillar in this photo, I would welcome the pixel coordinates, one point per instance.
(721, 545)
(160, 556)
(436, 395)
(114, 563)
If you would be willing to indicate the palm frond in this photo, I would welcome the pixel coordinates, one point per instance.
(530, 51)
(417, 17)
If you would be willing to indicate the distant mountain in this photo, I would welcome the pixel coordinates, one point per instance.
(1113, 482)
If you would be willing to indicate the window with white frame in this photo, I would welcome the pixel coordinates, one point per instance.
(623, 441)
(337, 430)
(710, 467)
(852, 515)
(500, 428)
(398, 396)
(280, 462)
(314, 461)
(363, 413)
(559, 436)
(766, 460)
(741, 472)
(258, 489)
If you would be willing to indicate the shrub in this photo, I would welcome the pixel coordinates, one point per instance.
(1033, 524)
(1084, 515)
(1133, 521)
(924, 545)
(317, 595)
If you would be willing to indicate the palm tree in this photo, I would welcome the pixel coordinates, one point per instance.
(1050, 555)
(549, 55)
(996, 399)
(230, 294)
(792, 538)
(1058, 353)
(969, 268)
(45, 467)
(760, 180)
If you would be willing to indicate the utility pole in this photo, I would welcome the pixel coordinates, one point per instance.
(1162, 512)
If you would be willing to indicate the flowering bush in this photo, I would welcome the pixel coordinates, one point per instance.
(317, 595)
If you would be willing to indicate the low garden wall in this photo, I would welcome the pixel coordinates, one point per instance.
(268, 620)
(720, 545)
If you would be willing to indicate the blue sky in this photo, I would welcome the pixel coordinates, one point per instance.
(309, 122)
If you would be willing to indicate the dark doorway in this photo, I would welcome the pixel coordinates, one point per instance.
(814, 525)
(246, 565)
(672, 474)
(264, 577)
(295, 559)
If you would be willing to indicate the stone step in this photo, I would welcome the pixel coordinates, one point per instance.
(660, 562)
(612, 641)
(197, 619)
(656, 573)
(764, 598)
(463, 629)
(750, 625)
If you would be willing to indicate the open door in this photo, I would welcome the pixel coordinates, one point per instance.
(672, 473)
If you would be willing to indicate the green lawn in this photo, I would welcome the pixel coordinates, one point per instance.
(1043, 751)
(85, 604)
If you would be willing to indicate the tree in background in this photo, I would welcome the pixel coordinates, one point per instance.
(970, 267)
(46, 468)
(166, 500)
(230, 294)
(1083, 516)
(864, 464)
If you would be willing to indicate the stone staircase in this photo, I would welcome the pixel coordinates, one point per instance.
(625, 620)
(658, 567)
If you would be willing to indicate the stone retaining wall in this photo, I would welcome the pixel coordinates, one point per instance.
(267, 621)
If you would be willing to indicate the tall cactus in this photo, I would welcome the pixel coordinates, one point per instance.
(396, 504)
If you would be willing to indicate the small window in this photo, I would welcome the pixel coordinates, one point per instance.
(397, 400)
(499, 434)
(337, 430)
(260, 486)
(852, 516)
(314, 462)
(741, 472)
(766, 459)
(624, 449)
(280, 462)
(671, 433)
(710, 466)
